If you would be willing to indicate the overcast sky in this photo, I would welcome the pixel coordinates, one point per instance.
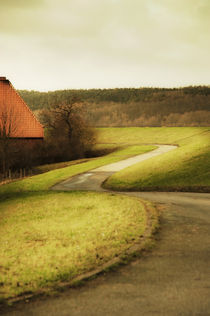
(60, 44)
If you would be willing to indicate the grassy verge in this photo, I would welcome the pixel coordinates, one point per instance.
(46, 180)
(185, 169)
(48, 237)
(58, 165)
(98, 150)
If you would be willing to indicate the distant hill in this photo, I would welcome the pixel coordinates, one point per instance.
(189, 106)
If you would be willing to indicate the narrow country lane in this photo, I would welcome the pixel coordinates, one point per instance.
(93, 179)
(172, 279)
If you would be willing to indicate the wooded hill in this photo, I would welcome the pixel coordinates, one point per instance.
(189, 106)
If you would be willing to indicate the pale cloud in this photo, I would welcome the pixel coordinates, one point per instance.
(53, 44)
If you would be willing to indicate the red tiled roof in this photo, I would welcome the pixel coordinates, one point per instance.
(21, 121)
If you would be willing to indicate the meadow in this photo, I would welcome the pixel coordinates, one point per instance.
(47, 237)
(53, 237)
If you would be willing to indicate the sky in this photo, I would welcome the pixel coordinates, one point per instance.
(82, 44)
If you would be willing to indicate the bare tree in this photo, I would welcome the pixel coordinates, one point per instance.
(66, 114)
(10, 125)
(67, 131)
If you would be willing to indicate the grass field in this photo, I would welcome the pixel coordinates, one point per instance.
(147, 135)
(50, 237)
(185, 169)
(47, 237)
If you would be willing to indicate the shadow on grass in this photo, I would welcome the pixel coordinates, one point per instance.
(29, 194)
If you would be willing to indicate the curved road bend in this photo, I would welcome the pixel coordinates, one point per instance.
(93, 179)
(172, 279)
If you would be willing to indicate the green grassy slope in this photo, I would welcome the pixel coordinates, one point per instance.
(185, 169)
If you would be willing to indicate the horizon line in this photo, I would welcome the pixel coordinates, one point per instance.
(119, 88)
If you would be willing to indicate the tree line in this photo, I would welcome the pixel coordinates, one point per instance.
(189, 106)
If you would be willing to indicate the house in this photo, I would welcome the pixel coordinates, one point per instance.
(17, 121)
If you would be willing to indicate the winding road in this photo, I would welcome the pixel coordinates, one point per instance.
(92, 180)
(172, 279)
